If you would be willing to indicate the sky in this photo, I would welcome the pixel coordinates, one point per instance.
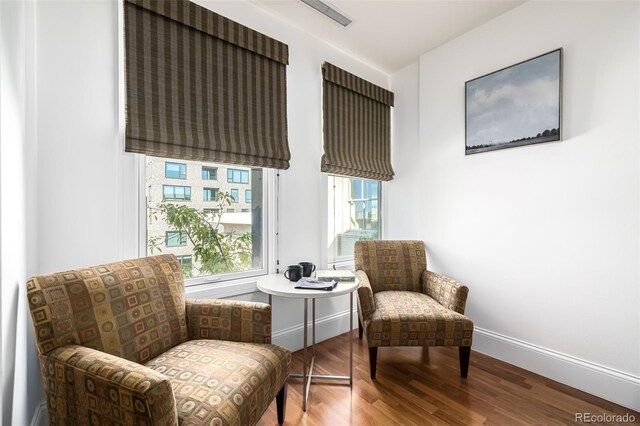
(511, 104)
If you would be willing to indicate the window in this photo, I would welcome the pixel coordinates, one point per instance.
(201, 229)
(209, 194)
(209, 173)
(247, 196)
(175, 170)
(175, 239)
(364, 199)
(186, 262)
(354, 214)
(237, 176)
(245, 210)
(176, 192)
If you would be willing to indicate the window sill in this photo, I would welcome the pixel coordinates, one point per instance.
(222, 289)
(342, 264)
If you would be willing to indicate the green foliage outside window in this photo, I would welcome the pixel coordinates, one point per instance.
(216, 251)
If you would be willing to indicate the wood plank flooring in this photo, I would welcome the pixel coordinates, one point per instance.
(417, 386)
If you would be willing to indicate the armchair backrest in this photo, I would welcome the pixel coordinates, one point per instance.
(391, 265)
(133, 309)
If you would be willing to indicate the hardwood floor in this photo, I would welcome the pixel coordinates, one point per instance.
(416, 386)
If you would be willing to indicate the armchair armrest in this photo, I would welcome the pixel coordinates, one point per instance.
(85, 385)
(449, 293)
(366, 303)
(232, 320)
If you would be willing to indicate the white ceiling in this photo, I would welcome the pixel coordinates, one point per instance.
(391, 34)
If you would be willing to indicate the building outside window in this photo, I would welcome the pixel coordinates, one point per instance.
(186, 261)
(176, 192)
(211, 212)
(354, 214)
(247, 196)
(193, 230)
(175, 170)
(209, 173)
(237, 176)
(209, 194)
(175, 239)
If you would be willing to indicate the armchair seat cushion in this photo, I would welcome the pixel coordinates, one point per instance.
(407, 318)
(218, 382)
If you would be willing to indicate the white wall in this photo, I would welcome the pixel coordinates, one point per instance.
(402, 194)
(21, 386)
(86, 211)
(546, 236)
(79, 198)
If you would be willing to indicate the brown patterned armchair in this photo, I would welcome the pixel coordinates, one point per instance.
(120, 344)
(400, 303)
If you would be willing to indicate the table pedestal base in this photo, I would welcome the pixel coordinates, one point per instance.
(307, 371)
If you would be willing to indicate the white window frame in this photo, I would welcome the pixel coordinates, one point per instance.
(231, 279)
(347, 262)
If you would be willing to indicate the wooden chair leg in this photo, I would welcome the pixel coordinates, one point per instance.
(281, 403)
(373, 359)
(465, 354)
(360, 329)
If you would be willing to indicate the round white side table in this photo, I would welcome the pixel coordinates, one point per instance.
(278, 285)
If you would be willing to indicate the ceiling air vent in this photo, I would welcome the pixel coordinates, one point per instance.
(328, 11)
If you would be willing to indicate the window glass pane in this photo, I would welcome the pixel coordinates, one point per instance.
(237, 176)
(354, 214)
(247, 196)
(209, 173)
(356, 189)
(176, 192)
(175, 239)
(186, 261)
(207, 240)
(175, 170)
(209, 194)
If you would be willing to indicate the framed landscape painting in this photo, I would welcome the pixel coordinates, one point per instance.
(515, 106)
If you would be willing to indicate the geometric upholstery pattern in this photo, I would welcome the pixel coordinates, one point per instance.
(133, 309)
(445, 291)
(230, 320)
(391, 265)
(86, 386)
(407, 318)
(401, 303)
(97, 327)
(223, 383)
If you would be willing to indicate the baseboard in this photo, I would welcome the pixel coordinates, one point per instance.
(326, 327)
(604, 382)
(40, 416)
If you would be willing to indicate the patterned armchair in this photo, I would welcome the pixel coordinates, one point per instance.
(120, 344)
(400, 303)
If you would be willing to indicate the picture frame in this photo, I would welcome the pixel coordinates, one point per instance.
(515, 106)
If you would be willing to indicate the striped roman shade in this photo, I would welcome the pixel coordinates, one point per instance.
(357, 126)
(203, 87)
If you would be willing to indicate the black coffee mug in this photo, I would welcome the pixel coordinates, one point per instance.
(294, 271)
(307, 268)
